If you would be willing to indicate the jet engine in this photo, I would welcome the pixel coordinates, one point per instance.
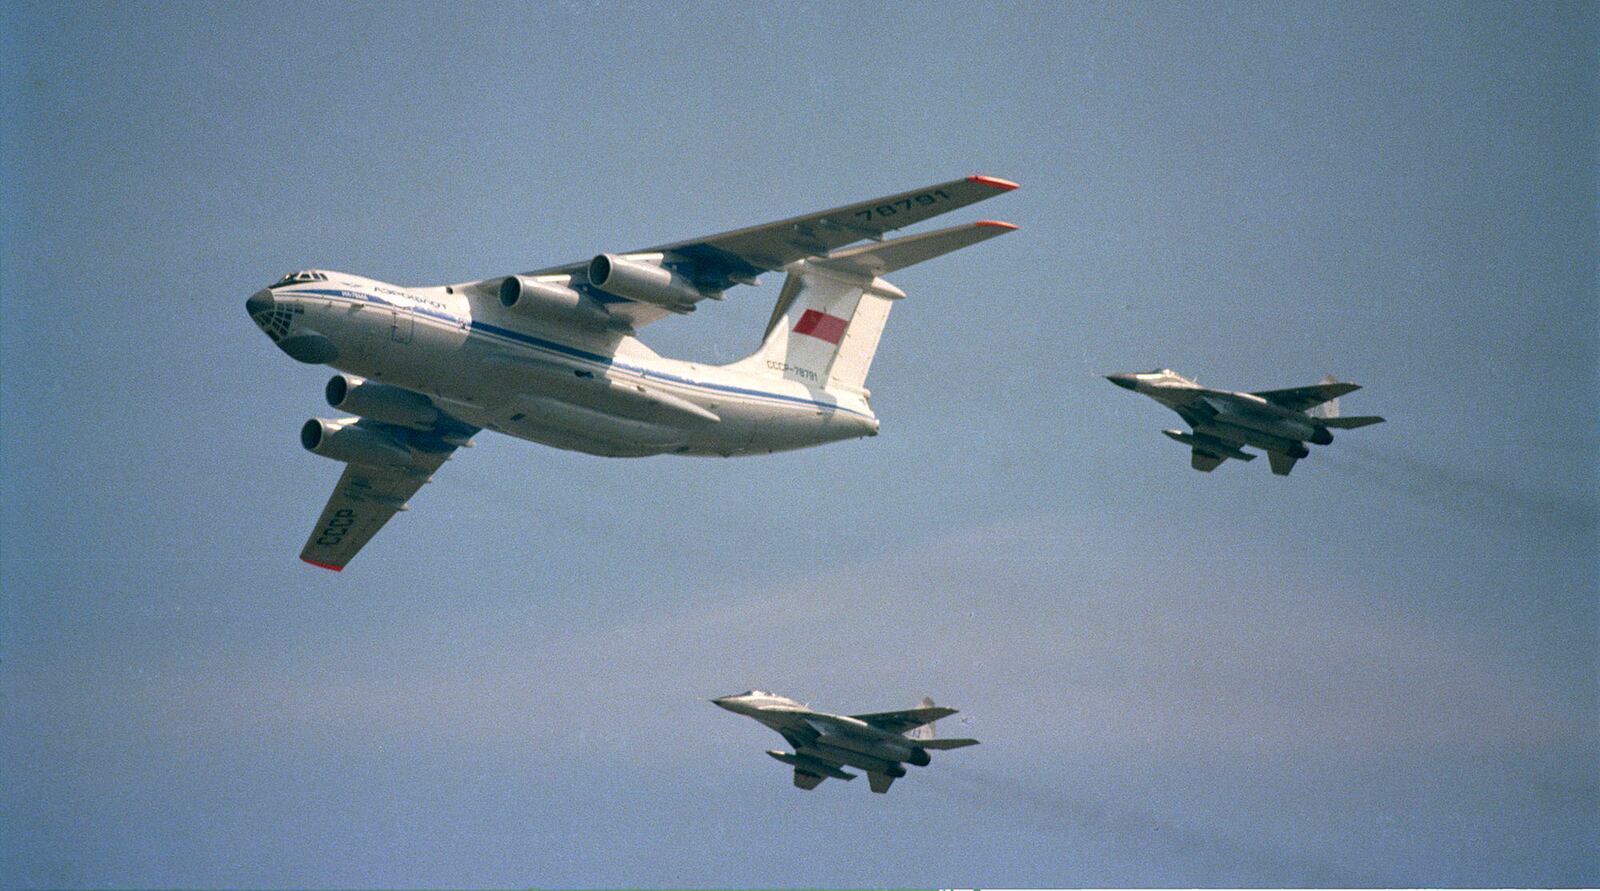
(352, 444)
(647, 282)
(919, 757)
(552, 299)
(381, 402)
(1283, 428)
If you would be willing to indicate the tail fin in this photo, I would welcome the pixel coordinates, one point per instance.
(928, 730)
(1329, 409)
(830, 315)
(927, 734)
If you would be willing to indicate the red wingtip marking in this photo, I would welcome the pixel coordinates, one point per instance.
(323, 565)
(994, 181)
(995, 223)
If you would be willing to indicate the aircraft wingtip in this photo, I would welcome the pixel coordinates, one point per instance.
(996, 224)
(323, 565)
(1004, 185)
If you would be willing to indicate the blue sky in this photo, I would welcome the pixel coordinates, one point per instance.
(1380, 670)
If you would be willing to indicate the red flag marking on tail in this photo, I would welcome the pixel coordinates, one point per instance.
(821, 326)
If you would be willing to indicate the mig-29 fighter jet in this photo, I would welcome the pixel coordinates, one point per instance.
(824, 744)
(1280, 422)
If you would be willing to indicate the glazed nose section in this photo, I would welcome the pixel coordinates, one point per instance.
(1125, 381)
(259, 302)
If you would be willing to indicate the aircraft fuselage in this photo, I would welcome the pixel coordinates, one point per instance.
(593, 390)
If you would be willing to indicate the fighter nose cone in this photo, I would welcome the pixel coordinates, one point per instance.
(1125, 381)
(259, 302)
(724, 702)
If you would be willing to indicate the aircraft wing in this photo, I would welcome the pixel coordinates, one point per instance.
(1302, 398)
(367, 496)
(717, 262)
(901, 721)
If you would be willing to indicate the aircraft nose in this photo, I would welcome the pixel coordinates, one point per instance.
(1125, 381)
(259, 302)
(726, 702)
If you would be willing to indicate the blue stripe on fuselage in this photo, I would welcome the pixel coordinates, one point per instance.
(571, 352)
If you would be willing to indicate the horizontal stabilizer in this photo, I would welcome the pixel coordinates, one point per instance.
(889, 256)
(946, 743)
(1352, 422)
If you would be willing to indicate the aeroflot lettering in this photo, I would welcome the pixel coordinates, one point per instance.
(333, 533)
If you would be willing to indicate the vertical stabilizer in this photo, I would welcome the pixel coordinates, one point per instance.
(830, 315)
(824, 329)
(928, 730)
(1329, 409)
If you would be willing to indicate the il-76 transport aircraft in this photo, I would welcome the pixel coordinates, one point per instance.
(551, 355)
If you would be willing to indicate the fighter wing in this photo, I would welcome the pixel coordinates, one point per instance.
(717, 262)
(1302, 398)
(366, 495)
(901, 721)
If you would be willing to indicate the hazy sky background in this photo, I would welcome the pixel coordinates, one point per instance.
(1382, 669)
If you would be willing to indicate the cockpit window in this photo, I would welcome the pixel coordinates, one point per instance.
(295, 278)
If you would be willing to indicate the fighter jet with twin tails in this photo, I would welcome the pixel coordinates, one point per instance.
(1280, 422)
(881, 744)
(551, 355)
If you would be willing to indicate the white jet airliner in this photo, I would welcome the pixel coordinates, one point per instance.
(551, 355)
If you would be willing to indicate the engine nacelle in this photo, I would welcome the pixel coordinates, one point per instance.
(552, 299)
(381, 402)
(344, 441)
(1322, 435)
(919, 757)
(645, 282)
